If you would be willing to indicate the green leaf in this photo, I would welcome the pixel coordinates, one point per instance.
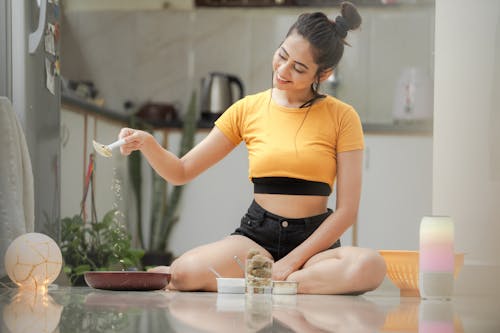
(127, 262)
(109, 217)
(137, 253)
(82, 269)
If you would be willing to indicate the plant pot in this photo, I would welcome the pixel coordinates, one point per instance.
(157, 258)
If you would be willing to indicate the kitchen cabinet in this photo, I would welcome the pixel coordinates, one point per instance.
(243, 3)
(397, 190)
(391, 42)
(72, 161)
(78, 129)
(95, 5)
(214, 202)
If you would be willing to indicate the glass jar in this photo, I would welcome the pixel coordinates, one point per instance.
(258, 273)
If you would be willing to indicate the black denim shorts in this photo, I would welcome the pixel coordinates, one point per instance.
(278, 235)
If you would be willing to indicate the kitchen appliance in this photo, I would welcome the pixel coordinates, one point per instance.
(217, 94)
(159, 114)
(413, 96)
(29, 64)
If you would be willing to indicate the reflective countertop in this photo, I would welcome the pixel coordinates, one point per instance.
(82, 309)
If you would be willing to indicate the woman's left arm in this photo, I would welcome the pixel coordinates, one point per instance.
(349, 174)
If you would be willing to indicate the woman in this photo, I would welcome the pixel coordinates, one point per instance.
(298, 141)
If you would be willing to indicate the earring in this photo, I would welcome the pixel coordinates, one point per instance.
(315, 86)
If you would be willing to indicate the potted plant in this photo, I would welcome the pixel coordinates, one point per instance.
(165, 198)
(95, 245)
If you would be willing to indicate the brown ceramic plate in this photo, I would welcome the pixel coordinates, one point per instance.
(125, 280)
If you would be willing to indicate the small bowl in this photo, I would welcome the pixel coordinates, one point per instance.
(285, 287)
(403, 269)
(231, 285)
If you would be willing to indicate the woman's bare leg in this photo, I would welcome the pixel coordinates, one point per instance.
(344, 270)
(190, 271)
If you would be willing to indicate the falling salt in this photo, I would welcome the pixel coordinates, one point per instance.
(116, 188)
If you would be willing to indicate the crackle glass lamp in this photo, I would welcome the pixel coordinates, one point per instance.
(33, 261)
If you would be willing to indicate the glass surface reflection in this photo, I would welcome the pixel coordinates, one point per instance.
(31, 312)
(66, 309)
(275, 313)
(423, 316)
(337, 314)
(91, 310)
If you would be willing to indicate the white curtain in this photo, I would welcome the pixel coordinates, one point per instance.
(17, 198)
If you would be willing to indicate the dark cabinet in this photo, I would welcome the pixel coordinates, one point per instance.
(244, 3)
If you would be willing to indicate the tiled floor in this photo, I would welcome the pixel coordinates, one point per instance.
(67, 309)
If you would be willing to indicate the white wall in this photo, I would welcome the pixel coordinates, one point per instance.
(466, 167)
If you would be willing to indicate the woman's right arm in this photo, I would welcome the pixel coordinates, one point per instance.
(173, 169)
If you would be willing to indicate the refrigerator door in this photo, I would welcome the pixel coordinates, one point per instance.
(37, 107)
(5, 47)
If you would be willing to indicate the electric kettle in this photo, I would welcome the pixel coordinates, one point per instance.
(217, 94)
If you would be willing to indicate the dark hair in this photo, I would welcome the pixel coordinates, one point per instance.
(327, 37)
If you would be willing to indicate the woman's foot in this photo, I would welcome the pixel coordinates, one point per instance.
(160, 269)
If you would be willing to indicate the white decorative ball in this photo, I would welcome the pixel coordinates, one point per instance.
(33, 261)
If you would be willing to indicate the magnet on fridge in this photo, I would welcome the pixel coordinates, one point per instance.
(50, 81)
(56, 31)
(57, 67)
(50, 46)
(55, 10)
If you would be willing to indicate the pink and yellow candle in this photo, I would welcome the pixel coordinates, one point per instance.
(436, 244)
(436, 257)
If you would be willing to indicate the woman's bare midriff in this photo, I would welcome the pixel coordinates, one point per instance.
(292, 206)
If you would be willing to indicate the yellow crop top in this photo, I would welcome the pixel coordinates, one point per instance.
(292, 143)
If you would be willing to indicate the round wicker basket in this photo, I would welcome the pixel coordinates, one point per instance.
(402, 269)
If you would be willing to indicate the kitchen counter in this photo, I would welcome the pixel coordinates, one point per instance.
(401, 128)
(82, 309)
(82, 105)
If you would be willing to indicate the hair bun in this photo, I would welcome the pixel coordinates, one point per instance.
(350, 14)
(341, 27)
(349, 20)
